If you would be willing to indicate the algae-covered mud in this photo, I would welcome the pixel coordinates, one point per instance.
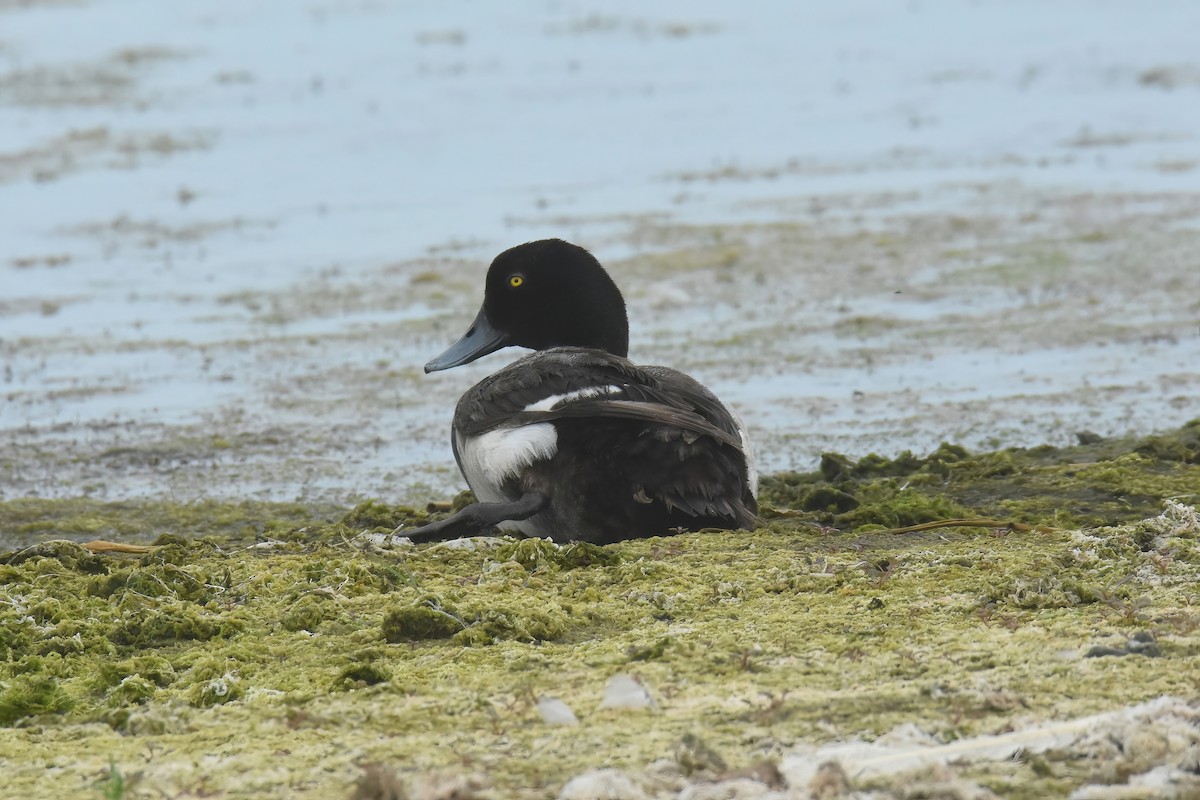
(255, 650)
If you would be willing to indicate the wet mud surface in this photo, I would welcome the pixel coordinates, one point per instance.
(984, 331)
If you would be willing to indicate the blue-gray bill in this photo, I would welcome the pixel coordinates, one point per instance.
(479, 340)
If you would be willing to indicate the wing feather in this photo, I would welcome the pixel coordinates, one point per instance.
(656, 413)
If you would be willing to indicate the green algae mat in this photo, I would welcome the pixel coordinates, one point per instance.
(259, 650)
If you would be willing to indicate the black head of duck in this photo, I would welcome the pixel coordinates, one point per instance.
(541, 295)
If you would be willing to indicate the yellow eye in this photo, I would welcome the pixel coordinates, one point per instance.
(516, 280)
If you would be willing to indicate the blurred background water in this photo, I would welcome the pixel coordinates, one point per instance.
(231, 232)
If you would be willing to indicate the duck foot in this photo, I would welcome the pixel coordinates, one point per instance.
(478, 517)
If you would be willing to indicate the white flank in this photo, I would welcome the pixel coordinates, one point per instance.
(579, 394)
(747, 451)
(751, 464)
(490, 459)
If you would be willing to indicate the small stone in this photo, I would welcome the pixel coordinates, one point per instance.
(830, 782)
(765, 772)
(602, 784)
(556, 712)
(1143, 644)
(624, 691)
(1102, 650)
(694, 755)
(450, 785)
(378, 782)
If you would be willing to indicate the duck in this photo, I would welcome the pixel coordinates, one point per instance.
(574, 442)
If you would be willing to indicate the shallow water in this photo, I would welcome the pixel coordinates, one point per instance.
(233, 234)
